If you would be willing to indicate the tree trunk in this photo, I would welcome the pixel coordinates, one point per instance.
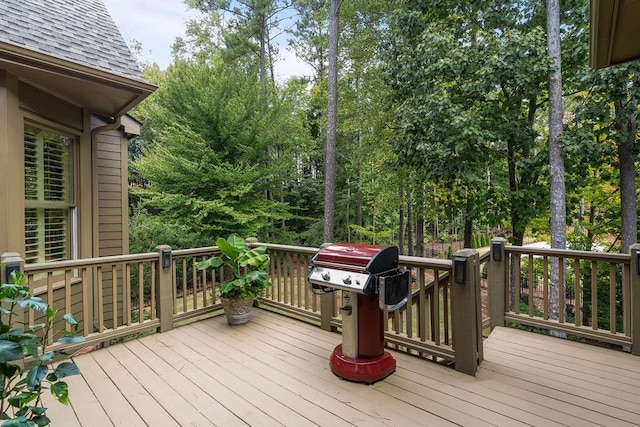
(420, 236)
(556, 160)
(517, 230)
(359, 207)
(263, 48)
(468, 231)
(330, 162)
(626, 125)
(410, 225)
(359, 215)
(401, 223)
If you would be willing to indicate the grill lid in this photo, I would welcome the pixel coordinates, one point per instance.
(351, 267)
(357, 258)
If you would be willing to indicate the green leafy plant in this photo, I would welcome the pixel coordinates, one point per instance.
(26, 363)
(248, 265)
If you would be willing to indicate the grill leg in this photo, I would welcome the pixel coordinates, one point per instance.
(350, 331)
(361, 356)
(370, 327)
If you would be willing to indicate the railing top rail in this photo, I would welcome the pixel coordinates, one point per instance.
(89, 262)
(568, 253)
(411, 261)
(287, 248)
(195, 251)
(435, 263)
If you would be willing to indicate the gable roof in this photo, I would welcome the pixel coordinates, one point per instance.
(80, 31)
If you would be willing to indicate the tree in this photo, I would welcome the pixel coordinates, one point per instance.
(467, 80)
(608, 115)
(556, 158)
(310, 36)
(626, 113)
(330, 162)
(250, 30)
(205, 145)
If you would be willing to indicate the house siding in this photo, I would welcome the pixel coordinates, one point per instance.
(11, 168)
(112, 211)
(63, 66)
(111, 173)
(60, 302)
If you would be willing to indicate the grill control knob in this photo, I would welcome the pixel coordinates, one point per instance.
(347, 280)
(326, 276)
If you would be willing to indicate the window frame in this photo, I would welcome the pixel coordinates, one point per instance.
(71, 207)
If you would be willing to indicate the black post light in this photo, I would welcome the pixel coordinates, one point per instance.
(10, 268)
(166, 258)
(496, 251)
(460, 269)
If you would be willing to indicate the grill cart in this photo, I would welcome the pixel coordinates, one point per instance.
(371, 283)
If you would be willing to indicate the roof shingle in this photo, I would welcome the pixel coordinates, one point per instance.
(80, 31)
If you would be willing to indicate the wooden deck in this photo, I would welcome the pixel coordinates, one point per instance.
(274, 371)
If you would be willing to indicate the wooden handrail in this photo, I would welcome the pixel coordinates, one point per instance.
(568, 253)
(418, 328)
(89, 262)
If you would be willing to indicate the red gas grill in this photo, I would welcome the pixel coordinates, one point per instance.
(371, 283)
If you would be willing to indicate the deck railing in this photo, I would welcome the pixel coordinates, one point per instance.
(424, 327)
(116, 296)
(100, 292)
(597, 293)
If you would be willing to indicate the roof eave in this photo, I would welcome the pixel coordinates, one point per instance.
(614, 32)
(54, 66)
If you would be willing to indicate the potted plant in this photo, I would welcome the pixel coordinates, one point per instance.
(249, 269)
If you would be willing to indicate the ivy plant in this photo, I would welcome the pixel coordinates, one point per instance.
(26, 360)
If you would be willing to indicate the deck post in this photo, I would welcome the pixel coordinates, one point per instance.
(164, 288)
(10, 261)
(635, 299)
(497, 281)
(327, 306)
(252, 241)
(327, 311)
(466, 307)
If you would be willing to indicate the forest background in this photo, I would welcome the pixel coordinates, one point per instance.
(441, 128)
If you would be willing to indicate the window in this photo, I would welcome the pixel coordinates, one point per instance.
(50, 210)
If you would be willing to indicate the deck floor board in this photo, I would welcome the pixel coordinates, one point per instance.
(275, 371)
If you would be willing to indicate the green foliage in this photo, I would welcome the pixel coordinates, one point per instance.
(604, 315)
(599, 145)
(212, 149)
(469, 81)
(248, 266)
(25, 362)
(524, 308)
(442, 122)
(148, 231)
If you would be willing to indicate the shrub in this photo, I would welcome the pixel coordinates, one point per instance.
(25, 363)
